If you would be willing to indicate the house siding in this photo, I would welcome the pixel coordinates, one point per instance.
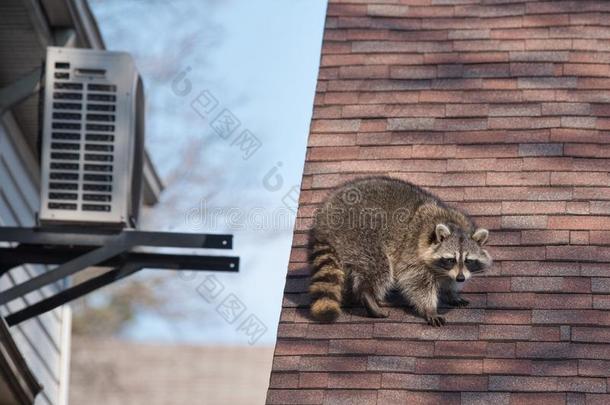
(41, 340)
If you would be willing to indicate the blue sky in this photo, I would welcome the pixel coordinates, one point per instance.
(256, 62)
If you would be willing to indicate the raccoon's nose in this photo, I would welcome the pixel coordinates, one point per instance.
(460, 278)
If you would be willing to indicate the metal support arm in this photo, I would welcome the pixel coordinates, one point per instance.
(74, 250)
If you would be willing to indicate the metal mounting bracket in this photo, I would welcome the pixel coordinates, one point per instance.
(75, 249)
(19, 90)
(28, 84)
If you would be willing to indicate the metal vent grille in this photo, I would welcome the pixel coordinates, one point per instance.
(88, 136)
(83, 133)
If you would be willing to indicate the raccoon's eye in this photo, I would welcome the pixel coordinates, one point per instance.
(473, 265)
(446, 263)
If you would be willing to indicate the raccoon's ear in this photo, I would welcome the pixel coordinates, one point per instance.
(441, 231)
(480, 236)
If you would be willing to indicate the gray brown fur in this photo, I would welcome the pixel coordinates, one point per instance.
(376, 234)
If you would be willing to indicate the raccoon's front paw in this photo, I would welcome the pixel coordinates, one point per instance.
(435, 320)
(379, 313)
(461, 303)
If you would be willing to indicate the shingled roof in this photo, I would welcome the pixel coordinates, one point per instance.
(501, 108)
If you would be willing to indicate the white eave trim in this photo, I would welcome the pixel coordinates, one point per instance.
(85, 24)
(65, 351)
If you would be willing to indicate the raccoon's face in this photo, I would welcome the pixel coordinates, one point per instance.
(458, 254)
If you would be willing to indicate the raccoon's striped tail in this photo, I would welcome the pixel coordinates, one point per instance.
(327, 280)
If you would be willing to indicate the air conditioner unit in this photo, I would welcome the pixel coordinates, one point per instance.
(92, 139)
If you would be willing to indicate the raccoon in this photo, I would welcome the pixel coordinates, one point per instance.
(377, 234)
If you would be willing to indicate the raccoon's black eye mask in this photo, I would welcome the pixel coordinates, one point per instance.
(445, 263)
(473, 265)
